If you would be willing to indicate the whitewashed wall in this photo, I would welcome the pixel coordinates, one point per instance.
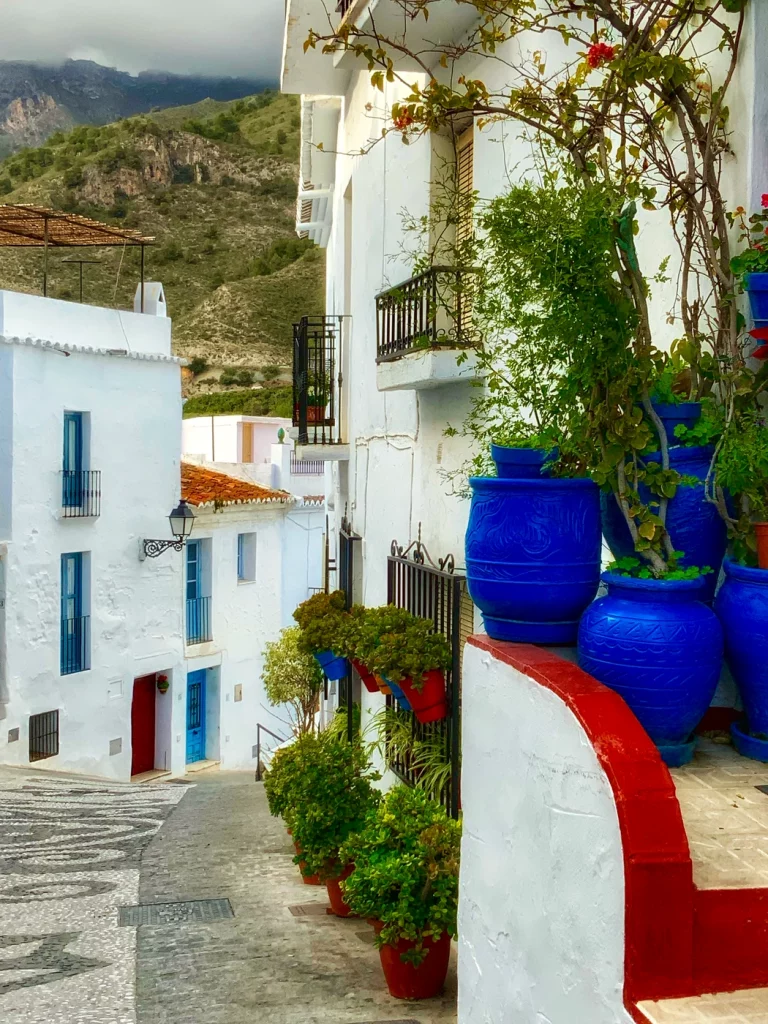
(220, 439)
(135, 408)
(541, 911)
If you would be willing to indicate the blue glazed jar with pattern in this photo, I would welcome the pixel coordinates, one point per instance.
(533, 556)
(693, 523)
(742, 606)
(659, 646)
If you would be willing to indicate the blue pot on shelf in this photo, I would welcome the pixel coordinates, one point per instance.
(756, 286)
(398, 694)
(660, 647)
(533, 556)
(673, 415)
(742, 606)
(694, 524)
(516, 463)
(334, 668)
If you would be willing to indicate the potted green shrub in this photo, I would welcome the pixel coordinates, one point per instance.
(292, 677)
(750, 266)
(331, 801)
(415, 658)
(281, 785)
(321, 619)
(361, 635)
(406, 881)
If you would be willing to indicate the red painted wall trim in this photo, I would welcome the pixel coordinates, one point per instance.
(658, 874)
(730, 947)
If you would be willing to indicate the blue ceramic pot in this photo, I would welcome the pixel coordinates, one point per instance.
(674, 415)
(756, 286)
(533, 556)
(333, 668)
(659, 646)
(694, 524)
(398, 694)
(514, 463)
(742, 606)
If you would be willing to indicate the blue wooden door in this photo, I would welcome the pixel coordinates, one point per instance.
(193, 590)
(195, 716)
(72, 459)
(72, 635)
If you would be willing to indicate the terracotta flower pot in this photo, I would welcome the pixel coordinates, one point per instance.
(338, 906)
(429, 705)
(367, 678)
(761, 532)
(306, 879)
(383, 686)
(315, 413)
(407, 981)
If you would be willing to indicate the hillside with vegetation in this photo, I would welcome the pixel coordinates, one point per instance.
(215, 184)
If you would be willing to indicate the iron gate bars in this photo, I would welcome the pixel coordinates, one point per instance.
(317, 379)
(346, 568)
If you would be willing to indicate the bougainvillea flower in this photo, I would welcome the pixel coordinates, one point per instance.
(402, 121)
(599, 54)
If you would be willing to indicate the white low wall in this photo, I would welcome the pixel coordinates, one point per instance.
(541, 915)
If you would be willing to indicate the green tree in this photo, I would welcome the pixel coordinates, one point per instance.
(292, 677)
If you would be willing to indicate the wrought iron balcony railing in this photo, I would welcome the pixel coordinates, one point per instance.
(306, 467)
(343, 8)
(317, 380)
(80, 493)
(75, 644)
(430, 311)
(199, 620)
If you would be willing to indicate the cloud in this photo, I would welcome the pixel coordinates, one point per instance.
(229, 37)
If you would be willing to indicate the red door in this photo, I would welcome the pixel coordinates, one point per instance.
(143, 725)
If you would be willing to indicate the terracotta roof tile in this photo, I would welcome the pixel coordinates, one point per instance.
(200, 486)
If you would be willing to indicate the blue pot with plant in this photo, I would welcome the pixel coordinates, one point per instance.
(398, 694)
(519, 462)
(750, 266)
(334, 668)
(657, 644)
(533, 556)
(324, 623)
(677, 414)
(742, 607)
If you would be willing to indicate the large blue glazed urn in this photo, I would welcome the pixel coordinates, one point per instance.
(533, 556)
(658, 645)
(742, 606)
(693, 523)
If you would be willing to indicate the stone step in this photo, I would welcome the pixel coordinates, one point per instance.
(750, 1006)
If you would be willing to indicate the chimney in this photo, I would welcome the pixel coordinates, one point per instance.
(154, 299)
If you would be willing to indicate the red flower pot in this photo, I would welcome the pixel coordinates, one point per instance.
(315, 413)
(306, 879)
(367, 678)
(429, 705)
(761, 531)
(338, 906)
(383, 688)
(407, 981)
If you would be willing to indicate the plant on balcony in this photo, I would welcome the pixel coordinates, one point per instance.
(331, 802)
(321, 619)
(414, 658)
(423, 755)
(292, 678)
(361, 635)
(751, 265)
(406, 880)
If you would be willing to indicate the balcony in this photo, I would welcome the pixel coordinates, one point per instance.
(199, 621)
(75, 655)
(423, 324)
(80, 494)
(317, 389)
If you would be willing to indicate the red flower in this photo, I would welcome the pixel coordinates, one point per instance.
(402, 121)
(599, 54)
(764, 200)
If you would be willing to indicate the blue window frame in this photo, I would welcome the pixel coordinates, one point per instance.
(75, 640)
(241, 556)
(198, 606)
(72, 462)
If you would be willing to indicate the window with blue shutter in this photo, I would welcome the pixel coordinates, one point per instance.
(75, 637)
(246, 557)
(72, 466)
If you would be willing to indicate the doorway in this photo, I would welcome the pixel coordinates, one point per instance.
(143, 725)
(196, 716)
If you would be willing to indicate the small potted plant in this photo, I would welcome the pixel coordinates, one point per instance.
(751, 265)
(362, 633)
(406, 882)
(331, 801)
(162, 682)
(414, 658)
(281, 785)
(322, 619)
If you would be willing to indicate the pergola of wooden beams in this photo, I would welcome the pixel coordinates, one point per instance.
(38, 227)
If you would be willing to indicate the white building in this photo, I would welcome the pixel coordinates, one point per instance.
(90, 405)
(248, 447)
(545, 874)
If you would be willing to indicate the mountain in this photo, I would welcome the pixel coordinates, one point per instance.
(37, 100)
(215, 184)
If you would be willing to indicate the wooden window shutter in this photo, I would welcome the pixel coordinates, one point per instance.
(465, 176)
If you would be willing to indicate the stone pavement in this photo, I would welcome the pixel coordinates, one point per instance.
(75, 852)
(266, 965)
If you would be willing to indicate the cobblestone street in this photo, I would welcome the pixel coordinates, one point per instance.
(73, 852)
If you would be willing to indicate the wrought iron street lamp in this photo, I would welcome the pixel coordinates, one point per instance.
(182, 520)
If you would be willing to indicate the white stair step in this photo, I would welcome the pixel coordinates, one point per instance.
(749, 1006)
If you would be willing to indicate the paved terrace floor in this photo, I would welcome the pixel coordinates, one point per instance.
(73, 851)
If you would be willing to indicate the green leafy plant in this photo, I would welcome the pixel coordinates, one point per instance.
(753, 259)
(742, 472)
(292, 677)
(198, 365)
(331, 802)
(364, 628)
(282, 779)
(406, 870)
(322, 619)
(410, 652)
(636, 569)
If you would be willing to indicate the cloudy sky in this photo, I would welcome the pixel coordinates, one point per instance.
(231, 37)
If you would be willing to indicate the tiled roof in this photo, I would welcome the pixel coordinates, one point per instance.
(201, 486)
(67, 349)
(314, 499)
